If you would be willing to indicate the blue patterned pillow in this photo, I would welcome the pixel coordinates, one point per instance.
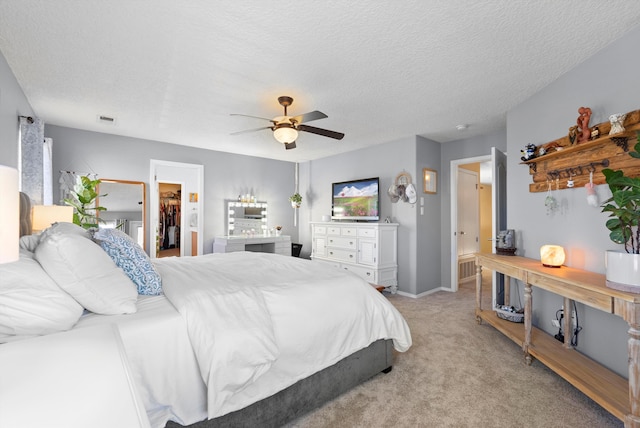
(131, 258)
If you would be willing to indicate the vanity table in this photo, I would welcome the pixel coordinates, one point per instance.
(247, 230)
(263, 244)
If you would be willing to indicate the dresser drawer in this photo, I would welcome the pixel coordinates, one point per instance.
(320, 230)
(368, 274)
(347, 243)
(349, 231)
(333, 230)
(367, 232)
(343, 255)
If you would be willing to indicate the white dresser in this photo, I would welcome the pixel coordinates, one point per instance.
(262, 244)
(369, 250)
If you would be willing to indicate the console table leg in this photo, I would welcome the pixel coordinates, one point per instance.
(478, 292)
(527, 323)
(633, 419)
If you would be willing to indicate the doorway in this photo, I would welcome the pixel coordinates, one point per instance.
(494, 166)
(187, 234)
(170, 234)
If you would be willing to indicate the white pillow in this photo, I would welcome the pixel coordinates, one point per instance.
(31, 303)
(80, 267)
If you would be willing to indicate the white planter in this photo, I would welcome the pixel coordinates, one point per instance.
(623, 271)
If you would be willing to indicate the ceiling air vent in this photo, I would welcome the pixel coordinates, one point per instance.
(108, 120)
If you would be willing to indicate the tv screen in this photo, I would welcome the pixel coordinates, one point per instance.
(356, 200)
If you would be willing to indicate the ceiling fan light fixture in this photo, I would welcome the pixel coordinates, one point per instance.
(285, 133)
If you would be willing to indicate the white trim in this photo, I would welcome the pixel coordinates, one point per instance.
(155, 202)
(426, 293)
(453, 256)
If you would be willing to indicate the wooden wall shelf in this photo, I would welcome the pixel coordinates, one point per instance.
(576, 161)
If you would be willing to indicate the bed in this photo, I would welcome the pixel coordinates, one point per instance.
(237, 339)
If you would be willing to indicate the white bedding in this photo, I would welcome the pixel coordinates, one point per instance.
(161, 359)
(287, 317)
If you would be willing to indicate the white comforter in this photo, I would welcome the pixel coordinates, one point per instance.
(260, 322)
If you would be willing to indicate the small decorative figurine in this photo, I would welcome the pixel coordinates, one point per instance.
(529, 152)
(573, 134)
(595, 132)
(616, 123)
(583, 124)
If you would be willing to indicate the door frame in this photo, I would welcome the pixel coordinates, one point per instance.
(184, 174)
(455, 164)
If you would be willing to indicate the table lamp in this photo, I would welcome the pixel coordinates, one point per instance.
(9, 215)
(44, 216)
(552, 255)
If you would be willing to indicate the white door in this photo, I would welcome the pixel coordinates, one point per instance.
(320, 247)
(468, 212)
(367, 252)
(499, 201)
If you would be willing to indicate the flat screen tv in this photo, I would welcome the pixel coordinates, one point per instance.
(356, 200)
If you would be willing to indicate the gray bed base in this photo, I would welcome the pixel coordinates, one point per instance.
(309, 393)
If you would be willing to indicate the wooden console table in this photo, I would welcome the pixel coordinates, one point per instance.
(614, 393)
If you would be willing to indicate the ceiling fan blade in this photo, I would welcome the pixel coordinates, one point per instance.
(255, 117)
(320, 131)
(250, 130)
(289, 146)
(308, 117)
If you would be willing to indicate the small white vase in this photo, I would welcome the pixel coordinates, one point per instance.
(623, 271)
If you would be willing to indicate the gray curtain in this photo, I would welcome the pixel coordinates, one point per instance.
(31, 162)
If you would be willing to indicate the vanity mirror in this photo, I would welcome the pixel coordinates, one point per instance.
(250, 217)
(125, 202)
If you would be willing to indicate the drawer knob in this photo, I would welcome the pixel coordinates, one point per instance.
(350, 256)
(368, 273)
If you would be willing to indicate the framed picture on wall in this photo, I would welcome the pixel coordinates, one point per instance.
(430, 179)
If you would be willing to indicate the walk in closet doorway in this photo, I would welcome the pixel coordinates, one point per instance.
(176, 199)
(169, 220)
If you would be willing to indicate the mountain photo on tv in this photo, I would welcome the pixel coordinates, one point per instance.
(356, 200)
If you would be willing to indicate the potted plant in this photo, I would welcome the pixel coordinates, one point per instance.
(84, 196)
(296, 200)
(623, 268)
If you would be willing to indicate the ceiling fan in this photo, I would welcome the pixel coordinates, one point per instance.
(285, 128)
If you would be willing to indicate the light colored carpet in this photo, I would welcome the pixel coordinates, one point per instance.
(459, 374)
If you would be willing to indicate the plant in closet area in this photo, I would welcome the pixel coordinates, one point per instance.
(624, 207)
(84, 195)
(296, 200)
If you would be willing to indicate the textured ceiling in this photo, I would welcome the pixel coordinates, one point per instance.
(173, 71)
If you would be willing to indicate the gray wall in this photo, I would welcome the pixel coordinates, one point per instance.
(13, 104)
(607, 83)
(385, 161)
(225, 175)
(429, 256)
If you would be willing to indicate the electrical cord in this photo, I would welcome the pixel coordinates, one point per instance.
(577, 328)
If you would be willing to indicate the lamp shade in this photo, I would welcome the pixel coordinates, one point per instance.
(43, 216)
(552, 255)
(285, 133)
(9, 215)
